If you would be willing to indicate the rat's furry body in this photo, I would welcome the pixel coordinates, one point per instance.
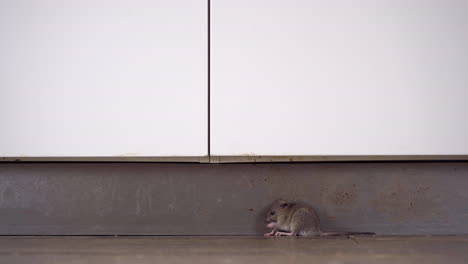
(297, 219)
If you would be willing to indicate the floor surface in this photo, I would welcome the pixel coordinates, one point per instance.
(203, 250)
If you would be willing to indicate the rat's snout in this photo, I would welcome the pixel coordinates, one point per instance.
(271, 225)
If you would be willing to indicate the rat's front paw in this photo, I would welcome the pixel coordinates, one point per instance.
(270, 234)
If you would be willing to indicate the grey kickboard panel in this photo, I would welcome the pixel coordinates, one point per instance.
(388, 198)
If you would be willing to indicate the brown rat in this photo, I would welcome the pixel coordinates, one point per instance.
(296, 219)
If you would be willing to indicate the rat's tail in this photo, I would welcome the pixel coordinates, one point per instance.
(346, 233)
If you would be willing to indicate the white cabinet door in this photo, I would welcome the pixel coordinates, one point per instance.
(103, 78)
(339, 77)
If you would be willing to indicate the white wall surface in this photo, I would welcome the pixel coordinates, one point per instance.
(339, 77)
(103, 78)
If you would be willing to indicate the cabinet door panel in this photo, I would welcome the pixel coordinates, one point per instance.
(338, 77)
(103, 78)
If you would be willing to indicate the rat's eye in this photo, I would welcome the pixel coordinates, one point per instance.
(272, 213)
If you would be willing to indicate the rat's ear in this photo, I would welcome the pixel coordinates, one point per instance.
(283, 203)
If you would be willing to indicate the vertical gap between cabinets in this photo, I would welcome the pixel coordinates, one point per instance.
(209, 77)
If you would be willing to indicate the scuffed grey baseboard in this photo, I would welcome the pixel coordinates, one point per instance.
(229, 199)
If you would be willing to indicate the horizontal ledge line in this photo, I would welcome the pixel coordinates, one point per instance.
(331, 158)
(200, 159)
(243, 158)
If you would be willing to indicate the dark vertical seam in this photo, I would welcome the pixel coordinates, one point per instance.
(209, 79)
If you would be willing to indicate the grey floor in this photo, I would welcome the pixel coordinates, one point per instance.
(103, 250)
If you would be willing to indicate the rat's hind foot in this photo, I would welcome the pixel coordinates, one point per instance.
(272, 233)
(284, 234)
